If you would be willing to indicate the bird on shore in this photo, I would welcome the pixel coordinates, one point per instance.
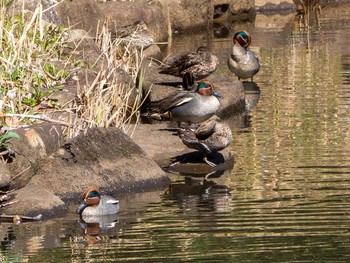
(209, 137)
(95, 204)
(243, 62)
(200, 64)
(136, 35)
(192, 106)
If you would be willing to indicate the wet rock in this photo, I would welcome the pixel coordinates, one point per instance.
(34, 200)
(192, 164)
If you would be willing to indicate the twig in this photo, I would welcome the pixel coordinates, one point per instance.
(37, 117)
(8, 203)
(4, 198)
(20, 173)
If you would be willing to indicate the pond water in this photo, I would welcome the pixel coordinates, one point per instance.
(287, 199)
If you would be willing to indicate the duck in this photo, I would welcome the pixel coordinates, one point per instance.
(193, 106)
(95, 204)
(243, 62)
(136, 35)
(209, 137)
(200, 64)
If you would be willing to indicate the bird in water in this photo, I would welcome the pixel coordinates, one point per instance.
(200, 64)
(192, 106)
(243, 62)
(208, 137)
(95, 204)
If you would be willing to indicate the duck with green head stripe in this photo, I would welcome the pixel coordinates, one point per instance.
(187, 106)
(243, 62)
(95, 204)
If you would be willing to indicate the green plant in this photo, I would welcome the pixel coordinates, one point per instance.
(5, 149)
(30, 68)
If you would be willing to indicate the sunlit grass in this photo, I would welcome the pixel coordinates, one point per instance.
(110, 100)
(33, 66)
(28, 72)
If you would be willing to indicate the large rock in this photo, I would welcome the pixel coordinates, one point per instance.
(105, 158)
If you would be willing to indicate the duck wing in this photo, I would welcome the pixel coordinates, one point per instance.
(174, 100)
(177, 65)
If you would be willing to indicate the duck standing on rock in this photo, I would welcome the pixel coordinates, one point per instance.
(209, 137)
(243, 62)
(95, 204)
(200, 64)
(187, 106)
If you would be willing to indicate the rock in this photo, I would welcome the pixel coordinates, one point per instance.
(33, 200)
(186, 15)
(81, 14)
(126, 13)
(5, 177)
(88, 15)
(18, 7)
(105, 158)
(37, 142)
(274, 5)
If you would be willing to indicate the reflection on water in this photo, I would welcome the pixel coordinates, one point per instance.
(287, 198)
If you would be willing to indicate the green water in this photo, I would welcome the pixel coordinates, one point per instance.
(287, 198)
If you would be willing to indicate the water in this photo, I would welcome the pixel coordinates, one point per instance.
(287, 198)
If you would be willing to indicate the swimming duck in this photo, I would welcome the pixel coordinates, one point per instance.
(187, 106)
(243, 62)
(209, 137)
(95, 204)
(201, 64)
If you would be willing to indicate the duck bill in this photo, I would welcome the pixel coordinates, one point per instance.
(217, 94)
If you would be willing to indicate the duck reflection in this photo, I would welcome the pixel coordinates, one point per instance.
(252, 94)
(201, 195)
(94, 226)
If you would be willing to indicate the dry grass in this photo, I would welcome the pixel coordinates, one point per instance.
(114, 97)
(30, 49)
(29, 75)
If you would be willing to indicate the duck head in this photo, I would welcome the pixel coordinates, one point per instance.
(91, 197)
(206, 88)
(204, 52)
(243, 38)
